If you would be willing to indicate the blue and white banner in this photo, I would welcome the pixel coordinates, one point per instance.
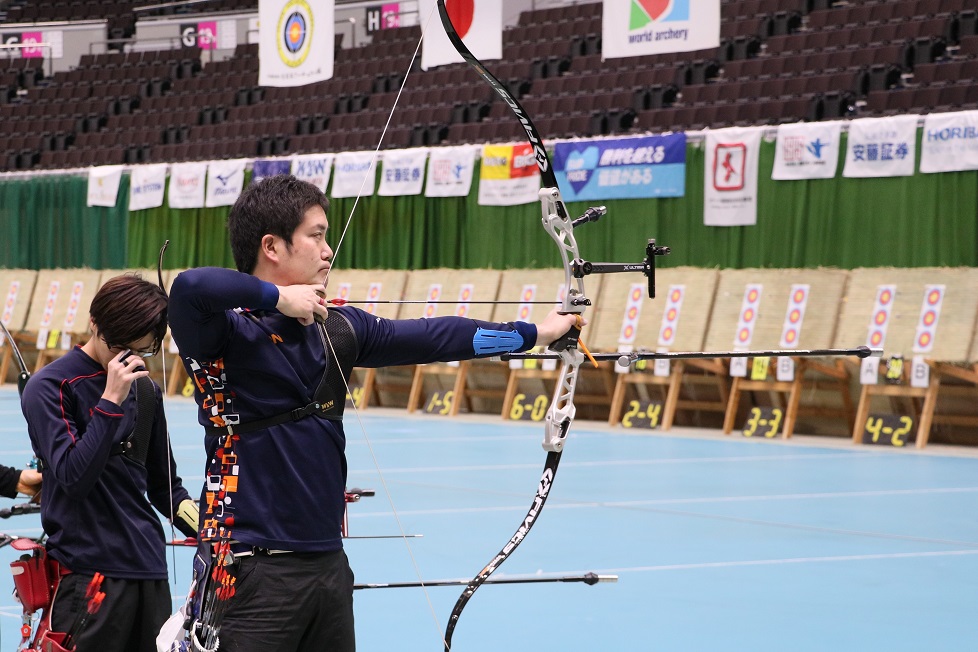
(450, 171)
(295, 41)
(262, 169)
(314, 168)
(632, 28)
(103, 185)
(354, 174)
(950, 142)
(882, 147)
(225, 180)
(187, 182)
(730, 185)
(807, 151)
(623, 168)
(147, 185)
(402, 172)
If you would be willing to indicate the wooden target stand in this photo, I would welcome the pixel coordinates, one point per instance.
(924, 412)
(59, 307)
(682, 375)
(16, 290)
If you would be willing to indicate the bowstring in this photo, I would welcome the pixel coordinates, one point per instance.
(328, 344)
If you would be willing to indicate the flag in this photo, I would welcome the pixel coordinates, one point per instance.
(187, 185)
(950, 142)
(354, 174)
(730, 188)
(402, 172)
(225, 180)
(479, 23)
(295, 42)
(509, 175)
(632, 28)
(807, 151)
(450, 171)
(882, 147)
(147, 186)
(103, 185)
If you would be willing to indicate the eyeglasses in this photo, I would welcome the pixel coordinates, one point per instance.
(142, 354)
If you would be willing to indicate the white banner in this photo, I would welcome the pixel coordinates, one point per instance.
(187, 185)
(147, 185)
(730, 188)
(807, 151)
(354, 174)
(632, 28)
(402, 172)
(103, 185)
(509, 176)
(479, 24)
(295, 41)
(225, 180)
(314, 168)
(882, 147)
(450, 171)
(950, 142)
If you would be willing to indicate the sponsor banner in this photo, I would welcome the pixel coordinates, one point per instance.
(807, 151)
(509, 175)
(637, 27)
(354, 174)
(187, 182)
(314, 168)
(402, 172)
(384, 16)
(147, 186)
(50, 44)
(450, 171)
(479, 24)
(730, 188)
(882, 147)
(262, 169)
(950, 142)
(623, 168)
(295, 41)
(210, 35)
(225, 180)
(103, 185)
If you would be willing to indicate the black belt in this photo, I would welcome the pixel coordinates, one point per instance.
(268, 422)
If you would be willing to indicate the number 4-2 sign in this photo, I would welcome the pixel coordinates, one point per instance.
(889, 430)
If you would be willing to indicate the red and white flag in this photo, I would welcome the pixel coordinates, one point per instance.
(479, 23)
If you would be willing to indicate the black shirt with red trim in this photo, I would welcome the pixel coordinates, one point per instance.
(98, 506)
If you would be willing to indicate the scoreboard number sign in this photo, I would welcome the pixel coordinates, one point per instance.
(529, 409)
(763, 422)
(638, 416)
(889, 430)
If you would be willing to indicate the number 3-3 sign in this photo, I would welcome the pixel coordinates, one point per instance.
(763, 421)
(889, 430)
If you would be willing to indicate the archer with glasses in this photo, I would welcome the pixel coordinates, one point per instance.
(96, 422)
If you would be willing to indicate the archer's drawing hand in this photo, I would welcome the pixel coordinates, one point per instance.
(304, 302)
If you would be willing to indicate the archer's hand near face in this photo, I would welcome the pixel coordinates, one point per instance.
(554, 326)
(304, 302)
(29, 482)
(120, 374)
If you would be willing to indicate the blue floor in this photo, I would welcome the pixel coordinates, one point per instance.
(720, 543)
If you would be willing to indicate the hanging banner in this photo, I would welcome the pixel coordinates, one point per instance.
(882, 147)
(950, 142)
(187, 182)
(509, 175)
(631, 28)
(354, 174)
(263, 169)
(730, 188)
(479, 23)
(623, 168)
(402, 172)
(147, 185)
(314, 168)
(225, 180)
(295, 41)
(103, 185)
(450, 171)
(807, 150)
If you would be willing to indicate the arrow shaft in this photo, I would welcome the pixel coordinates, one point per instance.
(588, 578)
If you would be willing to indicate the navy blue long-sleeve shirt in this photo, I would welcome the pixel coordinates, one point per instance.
(283, 487)
(95, 508)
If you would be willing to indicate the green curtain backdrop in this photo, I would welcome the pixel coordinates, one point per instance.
(923, 220)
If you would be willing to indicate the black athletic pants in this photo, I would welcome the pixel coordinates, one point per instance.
(290, 602)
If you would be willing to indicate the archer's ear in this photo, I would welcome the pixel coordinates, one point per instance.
(270, 247)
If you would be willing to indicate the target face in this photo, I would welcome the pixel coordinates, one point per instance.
(295, 30)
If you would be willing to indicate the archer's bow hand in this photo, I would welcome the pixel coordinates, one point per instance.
(559, 327)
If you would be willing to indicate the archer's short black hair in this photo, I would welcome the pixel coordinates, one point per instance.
(127, 308)
(275, 205)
